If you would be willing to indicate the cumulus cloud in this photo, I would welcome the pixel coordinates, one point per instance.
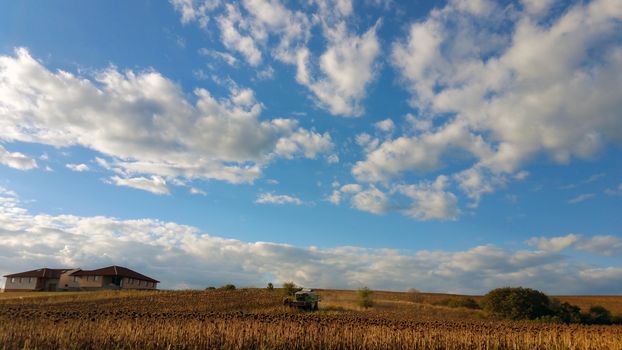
(16, 160)
(371, 200)
(347, 67)
(599, 244)
(386, 125)
(554, 244)
(602, 245)
(144, 123)
(430, 200)
(489, 100)
(155, 184)
(426, 200)
(270, 198)
(195, 10)
(256, 29)
(78, 167)
(182, 256)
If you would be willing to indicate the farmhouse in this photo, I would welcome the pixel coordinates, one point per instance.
(112, 277)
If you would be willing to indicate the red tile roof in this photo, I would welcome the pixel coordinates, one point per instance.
(115, 271)
(41, 273)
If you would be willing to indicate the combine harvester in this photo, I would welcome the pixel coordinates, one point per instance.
(305, 299)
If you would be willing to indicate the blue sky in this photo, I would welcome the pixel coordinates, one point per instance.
(333, 143)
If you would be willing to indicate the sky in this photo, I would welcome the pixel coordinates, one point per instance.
(449, 146)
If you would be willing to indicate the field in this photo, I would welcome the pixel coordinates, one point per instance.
(255, 319)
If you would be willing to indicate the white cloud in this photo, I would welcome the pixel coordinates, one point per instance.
(230, 24)
(305, 142)
(332, 159)
(386, 125)
(198, 191)
(601, 245)
(78, 167)
(150, 246)
(16, 160)
(195, 10)
(226, 57)
(347, 67)
(554, 244)
(430, 200)
(425, 200)
(581, 198)
(537, 7)
(260, 28)
(598, 245)
(155, 184)
(269, 198)
(499, 98)
(144, 123)
(371, 200)
(423, 152)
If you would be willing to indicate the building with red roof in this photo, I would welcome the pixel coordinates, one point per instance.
(111, 277)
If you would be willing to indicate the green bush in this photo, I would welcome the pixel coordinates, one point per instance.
(565, 312)
(597, 315)
(517, 303)
(270, 286)
(290, 288)
(210, 288)
(364, 297)
(227, 287)
(465, 302)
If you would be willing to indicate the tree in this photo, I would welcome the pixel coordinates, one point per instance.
(270, 286)
(290, 288)
(227, 287)
(364, 297)
(517, 303)
(415, 296)
(565, 311)
(598, 315)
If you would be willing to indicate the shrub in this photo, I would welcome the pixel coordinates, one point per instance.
(364, 297)
(270, 286)
(227, 287)
(597, 315)
(465, 302)
(517, 303)
(566, 312)
(415, 296)
(290, 288)
(210, 288)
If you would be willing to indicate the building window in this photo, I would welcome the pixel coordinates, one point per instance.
(95, 278)
(76, 279)
(19, 280)
(12, 279)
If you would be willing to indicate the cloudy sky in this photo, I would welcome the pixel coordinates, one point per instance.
(451, 146)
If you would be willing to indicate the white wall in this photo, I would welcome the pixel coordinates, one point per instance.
(26, 283)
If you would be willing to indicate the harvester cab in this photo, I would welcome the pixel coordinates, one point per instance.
(305, 299)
